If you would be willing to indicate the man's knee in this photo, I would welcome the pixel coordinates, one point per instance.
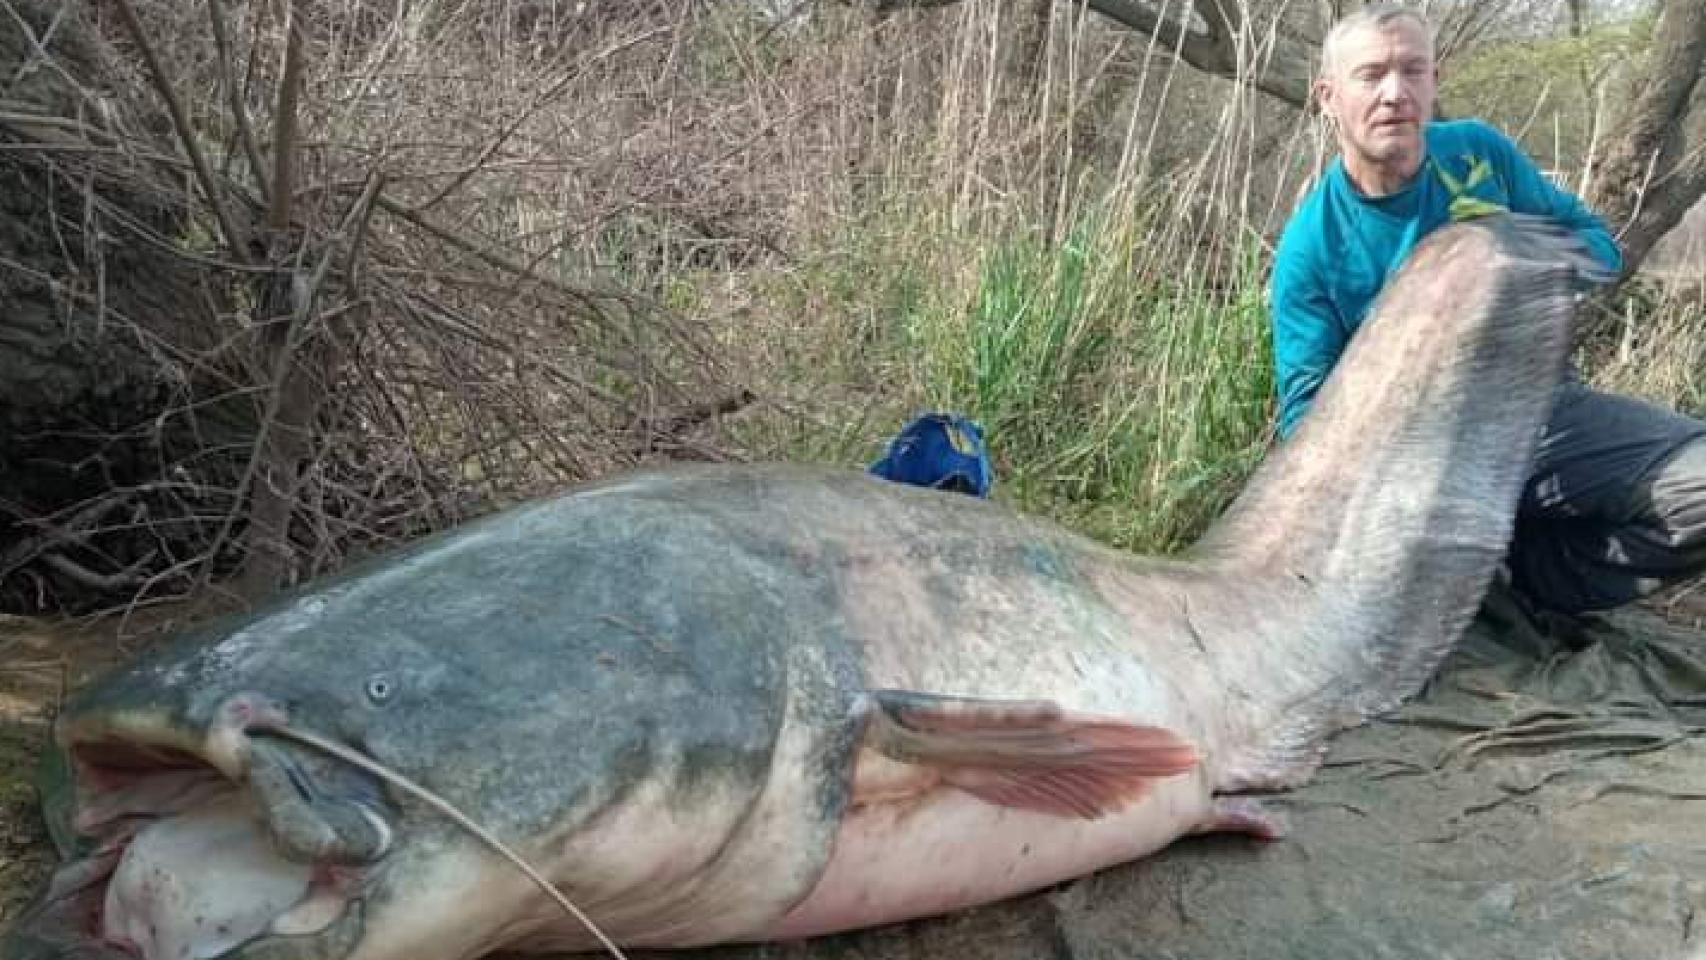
(1676, 496)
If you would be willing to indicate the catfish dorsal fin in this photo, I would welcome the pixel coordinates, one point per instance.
(1029, 754)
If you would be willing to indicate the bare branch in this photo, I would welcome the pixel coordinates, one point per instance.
(38, 44)
(672, 428)
(551, 93)
(73, 531)
(128, 577)
(234, 98)
(588, 299)
(1279, 66)
(236, 241)
(363, 215)
(284, 131)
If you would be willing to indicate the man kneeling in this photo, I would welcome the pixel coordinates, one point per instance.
(1615, 506)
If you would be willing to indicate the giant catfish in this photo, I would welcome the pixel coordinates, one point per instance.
(738, 703)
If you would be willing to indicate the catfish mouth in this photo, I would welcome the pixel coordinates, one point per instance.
(173, 858)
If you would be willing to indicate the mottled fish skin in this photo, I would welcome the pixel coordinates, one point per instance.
(608, 656)
(657, 688)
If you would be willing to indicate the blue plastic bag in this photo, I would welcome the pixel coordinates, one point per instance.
(944, 451)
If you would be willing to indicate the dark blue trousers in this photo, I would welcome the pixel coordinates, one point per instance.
(1615, 507)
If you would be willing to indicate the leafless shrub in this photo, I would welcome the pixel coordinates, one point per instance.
(405, 329)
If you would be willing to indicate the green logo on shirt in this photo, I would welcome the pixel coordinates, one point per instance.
(1465, 206)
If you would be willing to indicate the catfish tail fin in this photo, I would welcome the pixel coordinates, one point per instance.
(1395, 500)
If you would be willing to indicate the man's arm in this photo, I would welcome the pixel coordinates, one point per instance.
(1531, 192)
(1308, 338)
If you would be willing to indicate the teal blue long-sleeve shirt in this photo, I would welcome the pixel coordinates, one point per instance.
(1340, 246)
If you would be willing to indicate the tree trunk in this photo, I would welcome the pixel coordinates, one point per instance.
(1229, 46)
(1655, 169)
(1578, 10)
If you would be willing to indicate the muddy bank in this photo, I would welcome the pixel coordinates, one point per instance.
(25, 856)
(39, 663)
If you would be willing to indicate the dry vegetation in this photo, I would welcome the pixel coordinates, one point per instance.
(535, 242)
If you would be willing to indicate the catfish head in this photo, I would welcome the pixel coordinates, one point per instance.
(541, 673)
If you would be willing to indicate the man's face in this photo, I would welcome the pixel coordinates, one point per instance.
(1380, 91)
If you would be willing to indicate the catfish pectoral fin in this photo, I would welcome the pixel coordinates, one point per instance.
(1029, 754)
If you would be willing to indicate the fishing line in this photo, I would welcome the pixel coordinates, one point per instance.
(442, 806)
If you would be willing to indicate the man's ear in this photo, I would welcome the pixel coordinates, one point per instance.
(1323, 91)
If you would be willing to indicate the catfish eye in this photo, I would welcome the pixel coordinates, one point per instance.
(380, 688)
